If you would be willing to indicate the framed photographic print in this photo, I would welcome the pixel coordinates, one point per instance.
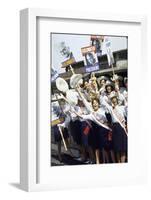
(80, 80)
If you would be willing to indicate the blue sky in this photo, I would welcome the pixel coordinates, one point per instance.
(76, 42)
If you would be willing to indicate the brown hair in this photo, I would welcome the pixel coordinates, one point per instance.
(95, 99)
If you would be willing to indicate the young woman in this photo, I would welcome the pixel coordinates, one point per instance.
(119, 88)
(105, 93)
(80, 131)
(98, 138)
(119, 131)
(101, 82)
(60, 130)
(85, 129)
(55, 129)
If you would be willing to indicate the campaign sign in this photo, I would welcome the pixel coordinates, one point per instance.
(97, 40)
(68, 62)
(90, 58)
(110, 57)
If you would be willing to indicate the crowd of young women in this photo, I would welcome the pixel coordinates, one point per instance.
(97, 124)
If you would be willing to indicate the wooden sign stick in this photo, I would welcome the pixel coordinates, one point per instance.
(113, 70)
(63, 140)
(64, 143)
(72, 70)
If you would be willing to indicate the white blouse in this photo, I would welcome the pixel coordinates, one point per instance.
(98, 117)
(118, 113)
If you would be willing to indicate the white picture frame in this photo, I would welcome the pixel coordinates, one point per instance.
(29, 151)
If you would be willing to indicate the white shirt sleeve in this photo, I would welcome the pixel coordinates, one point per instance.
(87, 117)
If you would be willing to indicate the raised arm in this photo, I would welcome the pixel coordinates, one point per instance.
(85, 102)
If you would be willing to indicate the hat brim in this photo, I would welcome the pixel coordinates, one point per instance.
(109, 84)
(114, 96)
(62, 85)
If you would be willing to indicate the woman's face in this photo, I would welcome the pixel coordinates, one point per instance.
(85, 84)
(109, 89)
(118, 82)
(90, 58)
(88, 86)
(102, 82)
(80, 103)
(95, 105)
(114, 101)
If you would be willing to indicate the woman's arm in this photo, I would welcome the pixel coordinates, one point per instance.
(85, 102)
(99, 123)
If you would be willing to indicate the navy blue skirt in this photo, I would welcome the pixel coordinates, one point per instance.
(119, 138)
(80, 132)
(76, 127)
(98, 137)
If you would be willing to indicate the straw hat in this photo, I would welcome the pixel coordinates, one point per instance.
(113, 94)
(62, 85)
(109, 83)
(75, 79)
(102, 78)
